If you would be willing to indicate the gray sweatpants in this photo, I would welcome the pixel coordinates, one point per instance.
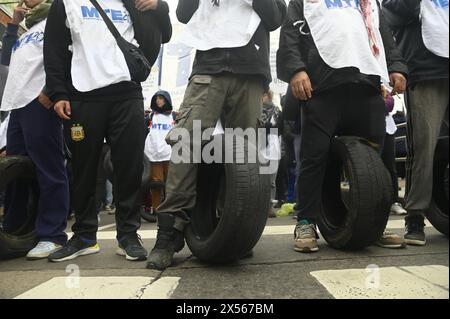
(427, 107)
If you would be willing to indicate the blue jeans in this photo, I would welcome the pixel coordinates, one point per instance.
(36, 132)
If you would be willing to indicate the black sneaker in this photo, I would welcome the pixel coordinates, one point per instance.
(74, 248)
(148, 216)
(132, 248)
(415, 234)
(168, 242)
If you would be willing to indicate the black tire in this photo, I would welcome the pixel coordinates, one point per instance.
(354, 218)
(438, 212)
(22, 240)
(109, 170)
(12, 246)
(21, 168)
(231, 211)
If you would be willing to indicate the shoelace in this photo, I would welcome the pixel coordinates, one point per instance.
(76, 242)
(304, 231)
(44, 245)
(215, 3)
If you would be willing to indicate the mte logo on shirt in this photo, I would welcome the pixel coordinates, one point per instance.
(162, 127)
(116, 16)
(441, 4)
(342, 4)
(31, 38)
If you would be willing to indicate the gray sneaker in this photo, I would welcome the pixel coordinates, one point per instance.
(42, 250)
(306, 237)
(391, 240)
(397, 209)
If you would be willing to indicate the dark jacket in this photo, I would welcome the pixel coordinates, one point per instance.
(404, 18)
(9, 39)
(298, 52)
(3, 77)
(167, 108)
(243, 60)
(151, 28)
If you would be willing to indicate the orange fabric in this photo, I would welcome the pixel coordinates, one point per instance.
(158, 174)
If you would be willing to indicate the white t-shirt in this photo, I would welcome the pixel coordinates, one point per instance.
(434, 15)
(341, 36)
(26, 77)
(97, 60)
(156, 148)
(230, 25)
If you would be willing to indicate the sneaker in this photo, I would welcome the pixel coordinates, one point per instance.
(397, 209)
(415, 234)
(42, 250)
(131, 247)
(149, 216)
(168, 242)
(391, 240)
(306, 237)
(74, 248)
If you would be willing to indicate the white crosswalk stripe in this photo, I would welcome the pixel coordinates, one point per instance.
(425, 282)
(103, 288)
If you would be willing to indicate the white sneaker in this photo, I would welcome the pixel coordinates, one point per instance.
(42, 250)
(397, 209)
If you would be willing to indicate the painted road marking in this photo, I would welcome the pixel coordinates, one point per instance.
(103, 288)
(424, 282)
(268, 231)
(162, 288)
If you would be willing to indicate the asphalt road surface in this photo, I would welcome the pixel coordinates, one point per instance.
(275, 271)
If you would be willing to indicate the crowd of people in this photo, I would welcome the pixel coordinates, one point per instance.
(343, 60)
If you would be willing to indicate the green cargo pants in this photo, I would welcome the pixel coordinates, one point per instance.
(237, 101)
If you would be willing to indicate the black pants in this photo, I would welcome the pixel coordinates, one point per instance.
(388, 156)
(351, 109)
(281, 181)
(122, 124)
(100, 192)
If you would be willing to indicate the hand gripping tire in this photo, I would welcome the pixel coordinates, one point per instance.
(438, 212)
(231, 209)
(22, 240)
(355, 211)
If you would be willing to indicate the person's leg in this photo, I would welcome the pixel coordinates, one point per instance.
(365, 117)
(87, 119)
(16, 195)
(125, 124)
(44, 142)
(281, 181)
(388, 157)
(100, 191)
(320, 120)
(204, 100)
(427, 104)
(157, 177)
